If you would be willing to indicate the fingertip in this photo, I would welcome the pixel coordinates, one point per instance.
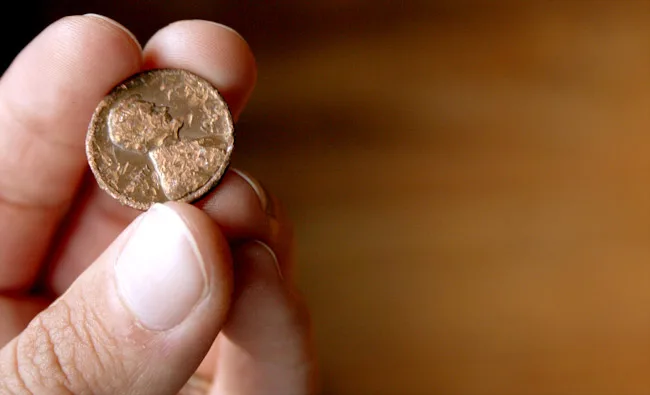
(52, 74)
(113, 24)
(94, 30)
(211, 50)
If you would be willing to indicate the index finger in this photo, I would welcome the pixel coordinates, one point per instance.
(47, 97)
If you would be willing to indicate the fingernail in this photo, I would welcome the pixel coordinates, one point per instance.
(118, 25)
(261, 255)
(260, 191)
(160, 273)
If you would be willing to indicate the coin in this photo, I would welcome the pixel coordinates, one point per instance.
(161, 135)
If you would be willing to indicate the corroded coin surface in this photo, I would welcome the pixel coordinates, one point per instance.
(161, 135)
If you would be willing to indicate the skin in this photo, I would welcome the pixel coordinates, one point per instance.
(60, 234)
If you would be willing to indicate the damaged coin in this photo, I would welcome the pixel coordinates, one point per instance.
(161, 135)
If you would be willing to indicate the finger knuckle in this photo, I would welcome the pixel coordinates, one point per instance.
(65, 350)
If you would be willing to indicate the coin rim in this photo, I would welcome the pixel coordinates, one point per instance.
(109, 100)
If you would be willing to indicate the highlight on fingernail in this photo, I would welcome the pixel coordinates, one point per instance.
(274, 257)
(266, 201)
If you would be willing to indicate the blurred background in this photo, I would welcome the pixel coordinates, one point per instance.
(470, 182)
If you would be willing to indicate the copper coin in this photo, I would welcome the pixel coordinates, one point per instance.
(161, 135)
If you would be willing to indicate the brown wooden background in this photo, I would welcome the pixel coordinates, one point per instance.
(470, 183)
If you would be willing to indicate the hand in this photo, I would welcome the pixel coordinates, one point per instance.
(143, 301)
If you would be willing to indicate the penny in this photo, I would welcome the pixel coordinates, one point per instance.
(161, 135)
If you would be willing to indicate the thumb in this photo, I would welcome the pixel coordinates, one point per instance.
(139, 320)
